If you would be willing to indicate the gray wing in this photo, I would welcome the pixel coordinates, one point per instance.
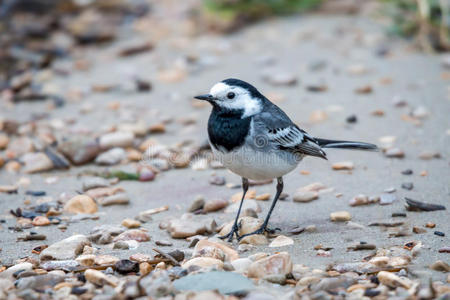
(287, 136)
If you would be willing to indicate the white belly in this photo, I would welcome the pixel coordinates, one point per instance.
(257, 165)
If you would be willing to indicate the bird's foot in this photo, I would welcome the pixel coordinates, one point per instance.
(229, 236)
(261, 230)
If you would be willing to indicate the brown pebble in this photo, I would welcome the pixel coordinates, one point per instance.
(418, 230)
(215, 205)
(430, 225)
(367, 89)
(157, 128)
(41, 221)
(145, 268)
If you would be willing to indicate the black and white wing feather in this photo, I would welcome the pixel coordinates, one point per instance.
(285, 135)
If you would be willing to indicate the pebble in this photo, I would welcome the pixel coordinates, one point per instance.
(163, 243)
(131, 223)
(197, 204)
(256, 239)
(407, 186)
(111, 157)
(407, 172)
(66, 249)
(20, 267)
(36, 162)
(138, 128)
(281, 241)
(420, 112)
(386, 199)
(146, 175)
(145, 268)
(203, 262)
(418, 230)
(391, 280)
(439, 233)
(81, 204)
(344, 165)
(207, 248)
(241, 265)
(105, 260)
(340, 216)
(104, 234)
(120, 139)
(366, 89)
(248, 204)
(145, 216)
(4, 140)
(217, 180)
(359, 200)
(182, 228)
(86, 260)
(125, 266)
(94, 182)
(140, 257)
(99, 278)
(9, 189)
(157, 128)
(79, 150)
(41, 221)
(351, 119)
(394, 153)
(305, 196)
(35, 193)
(390, 190)
(121, 245)
(207, 286)
(117, 199)
(215, 205)
(444, 250)
(277, 264)
(430, 225)
(263, 197)
(429, 155)
(133, 234)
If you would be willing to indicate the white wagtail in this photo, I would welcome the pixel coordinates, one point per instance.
(255, 139)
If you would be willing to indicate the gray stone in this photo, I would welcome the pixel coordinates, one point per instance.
(157, 285)
(104, 234)
(116, 139)
(8, 273)
(38, 281)
(80, 150)
(386, 199)
(111, 157)
(66, 249)
(65, 265)
(94, 182)
(224, 282)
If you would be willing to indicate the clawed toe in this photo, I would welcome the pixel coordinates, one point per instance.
(230, 235)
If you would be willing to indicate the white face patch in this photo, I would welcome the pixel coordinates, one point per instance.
(242, 99)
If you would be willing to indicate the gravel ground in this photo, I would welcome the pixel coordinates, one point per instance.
(317, 50)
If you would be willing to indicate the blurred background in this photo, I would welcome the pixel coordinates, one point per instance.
(87, 86)
(36, 32)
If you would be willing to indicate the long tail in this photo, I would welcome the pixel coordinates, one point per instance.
(346, 145)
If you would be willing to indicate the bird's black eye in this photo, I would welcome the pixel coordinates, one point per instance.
(230, 95)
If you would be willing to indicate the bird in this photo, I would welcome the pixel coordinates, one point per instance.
(255, 139)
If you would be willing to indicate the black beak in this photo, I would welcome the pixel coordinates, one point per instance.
(206, 97)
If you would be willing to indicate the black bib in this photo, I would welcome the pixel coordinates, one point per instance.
(227, 129)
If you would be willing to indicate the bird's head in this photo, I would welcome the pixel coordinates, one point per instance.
(234, 94)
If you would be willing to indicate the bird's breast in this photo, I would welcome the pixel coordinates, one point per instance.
(227, 130)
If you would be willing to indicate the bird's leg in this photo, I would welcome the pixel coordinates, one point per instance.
(263, 227)
(234, 229)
